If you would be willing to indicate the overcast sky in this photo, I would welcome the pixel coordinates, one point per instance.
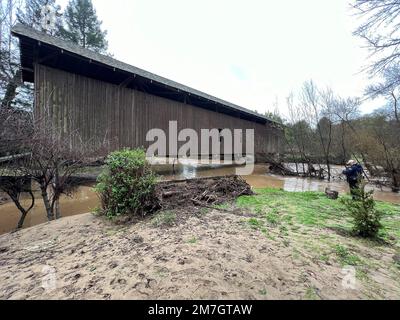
(252, 53)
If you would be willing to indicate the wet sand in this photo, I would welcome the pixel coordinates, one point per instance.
(212, 256)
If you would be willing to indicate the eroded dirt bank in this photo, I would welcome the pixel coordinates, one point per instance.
(210, 255)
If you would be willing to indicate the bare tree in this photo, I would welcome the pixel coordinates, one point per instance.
(15, 125)
(54, 158)
(325, 125)
(345, 110)
(389, 88)
(380, 28)
(289, 134)
(300, 131)
(316, 108)
(42, 153)
(377, 139)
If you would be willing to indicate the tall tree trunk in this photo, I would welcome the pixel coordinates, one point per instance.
(45, 196)
(57, 209)
(56, 199)
(396, 182)
(396, 113)
(328, 152)
(328, 166)
(325, 150)
(293, 155)
(11, 90)
(343, 144)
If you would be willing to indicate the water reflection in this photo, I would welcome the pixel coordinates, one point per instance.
(85, 199)
(261, 178)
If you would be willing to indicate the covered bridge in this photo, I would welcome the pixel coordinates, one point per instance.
(105, 98)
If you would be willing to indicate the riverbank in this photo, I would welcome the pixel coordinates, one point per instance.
(274, 245)
(84, 198)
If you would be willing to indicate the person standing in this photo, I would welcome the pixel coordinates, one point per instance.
(353, 173)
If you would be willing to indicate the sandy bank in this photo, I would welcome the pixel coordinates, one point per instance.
(213, 255)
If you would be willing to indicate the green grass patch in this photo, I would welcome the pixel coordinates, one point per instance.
(311, 294)
(324, 258)
(192, 240)
(313, 209)
(263, 292)
(255, 223)
(164, 218)
(307, 208)
(273, 217)
(283, 230)
(346, 257)
(204, 211)
(224, 206)
(316, 227)
(362, 275)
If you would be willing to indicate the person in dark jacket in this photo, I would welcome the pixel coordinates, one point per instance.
(353, 173)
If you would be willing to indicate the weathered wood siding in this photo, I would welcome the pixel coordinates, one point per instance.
(100, 110)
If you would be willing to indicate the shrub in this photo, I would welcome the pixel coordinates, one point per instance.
(127, 185)
(366, 218)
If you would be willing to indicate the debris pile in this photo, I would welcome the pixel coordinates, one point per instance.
(201, 191)
(279, 168)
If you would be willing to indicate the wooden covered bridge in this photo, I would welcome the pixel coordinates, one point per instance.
(103, 97)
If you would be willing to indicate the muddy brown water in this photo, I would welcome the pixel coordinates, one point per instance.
(85, 199)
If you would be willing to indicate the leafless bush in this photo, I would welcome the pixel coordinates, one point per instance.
(50, 157)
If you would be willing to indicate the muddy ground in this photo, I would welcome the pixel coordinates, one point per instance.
(210, 256)
(197, 248)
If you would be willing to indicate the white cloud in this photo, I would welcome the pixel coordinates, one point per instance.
(247, 52)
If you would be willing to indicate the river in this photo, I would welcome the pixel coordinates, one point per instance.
(84, 199)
